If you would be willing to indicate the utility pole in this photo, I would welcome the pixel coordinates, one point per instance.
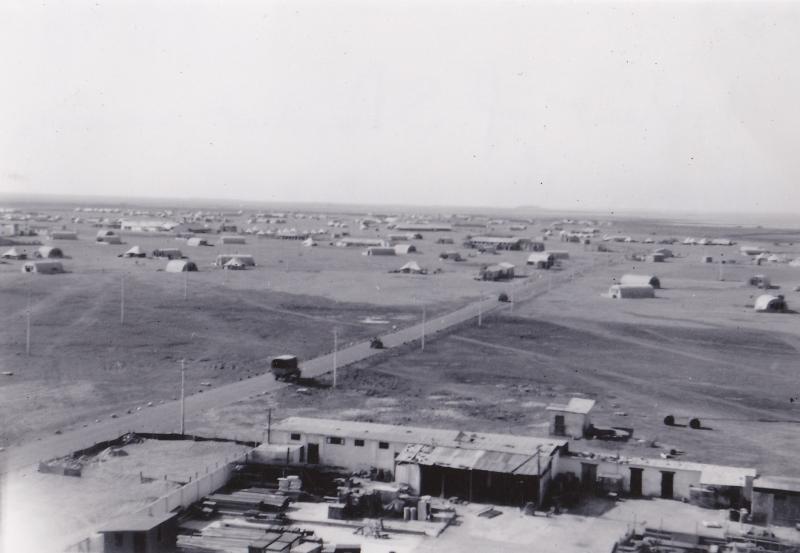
(28, 327)
(480, 308)
(186, 286)
(183, 396)
(422, 348)
(335, 347)
(122, 300)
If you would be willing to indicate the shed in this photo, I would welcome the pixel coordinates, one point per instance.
(135, 251)
(707, 259)
(309, 242)
(767, 303)
(180, 266)
(497, 272)
(234, 264)
(109, 239)
(379, 251)
(140, 533)
(666, 252)
(14, 253)
(49, 252)
(169, 253)
(630, 291)
(404, 249)
(640, 280)
(558, 254)
(655, 258)
(571, 419)
(43, 267)
(232, 240)
(451, 255)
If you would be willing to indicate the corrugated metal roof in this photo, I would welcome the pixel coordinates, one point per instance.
(779, 483)
(715, 475)
(525, 445)
(472, 459)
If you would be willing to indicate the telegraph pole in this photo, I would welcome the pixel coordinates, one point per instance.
(122, 300)
(183, 396)
(480, 308)
(335, 347)
(28, 327)
(422, 348)
(186, 286)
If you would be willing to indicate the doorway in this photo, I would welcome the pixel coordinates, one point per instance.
(559, 428)
(313, 454)
(588, 477)
(667, 481)
(636, 482)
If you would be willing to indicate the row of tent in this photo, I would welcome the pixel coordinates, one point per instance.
(44, 252)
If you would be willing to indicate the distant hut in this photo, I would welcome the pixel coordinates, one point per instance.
(232, 239)
(63, 235)
(666, 252)
(767, 303)
(234, 264)
(404, 249)
(14, 253)
(169, 253)
(759, 281)
(379, 251)
(707, 259)
(541, 260)
(451, 255)
(655, 258)
(244, 258)
(107, 237)
(309, 242)
(135, 251)
(180, 266)
(49, 252)
(631, 291)
(412, 267)
(558, 254)
(640, 280)
(500, 271)
(196, 241)
(43, 267)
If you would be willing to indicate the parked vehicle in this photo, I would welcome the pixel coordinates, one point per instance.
(285, 367)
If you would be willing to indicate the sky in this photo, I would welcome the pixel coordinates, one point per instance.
(683, 106)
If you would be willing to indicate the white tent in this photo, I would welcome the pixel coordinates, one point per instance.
(135, 251)
(412, 267)
(308, 242)
(630, 291)
(235, 264)
(13, 253)
(180, 266)
(48, 252)
(767, 303)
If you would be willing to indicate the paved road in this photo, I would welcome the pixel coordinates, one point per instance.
(165, 417)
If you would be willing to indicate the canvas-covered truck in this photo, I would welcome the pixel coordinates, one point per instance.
(285, 367)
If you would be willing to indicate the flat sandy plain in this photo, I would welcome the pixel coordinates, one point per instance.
(698, 349)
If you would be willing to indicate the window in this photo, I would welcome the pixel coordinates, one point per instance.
(359, 443)
(335, 440)
(295, 437)
(383, 445)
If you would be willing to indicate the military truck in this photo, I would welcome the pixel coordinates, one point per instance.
(285, 367)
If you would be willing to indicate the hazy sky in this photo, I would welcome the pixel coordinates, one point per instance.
(500, 103)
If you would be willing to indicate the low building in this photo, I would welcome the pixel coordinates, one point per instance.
(423, 227)
(572, 419)
(451, 255)
(357, 241)
(14, 253)
(141, 533)
(558, 254)
(181, 266)
(63, 235)
(375, 250)
(196, 241)
(630, 291)
(640, 280)
(752, 250)
(474, 465)
(655, 258)
(776, 500)
(43, 267)
(168, 253)
(499, 243)
(759, 281)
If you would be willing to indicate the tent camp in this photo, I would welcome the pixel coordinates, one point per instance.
(48, 252)
(14, 253)
(244, 258)
(403, 249)
(43, 267)
(541, 260)
(232, 240)
(197, 241)
(412, 267)
(767, 303)
(631, 291)
(135, 251)
(180, 266)
(640, 280)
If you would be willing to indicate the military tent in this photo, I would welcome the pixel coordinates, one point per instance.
(180, 266)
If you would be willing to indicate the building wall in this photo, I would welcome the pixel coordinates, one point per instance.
(771, 507)
(651, 476)
(347, 455)
(153, 542)
(575, 424)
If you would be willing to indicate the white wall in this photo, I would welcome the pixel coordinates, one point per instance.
(348, 455)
